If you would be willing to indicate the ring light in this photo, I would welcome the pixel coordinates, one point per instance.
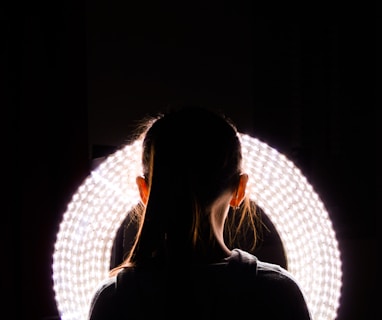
(81, 258)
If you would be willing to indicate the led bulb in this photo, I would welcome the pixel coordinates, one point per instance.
(81, 259)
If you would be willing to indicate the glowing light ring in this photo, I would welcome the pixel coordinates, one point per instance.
(86, 234)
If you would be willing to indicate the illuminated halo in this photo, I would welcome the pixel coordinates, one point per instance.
(81, 258)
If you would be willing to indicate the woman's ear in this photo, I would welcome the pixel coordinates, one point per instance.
(239, 194)
(143, 189)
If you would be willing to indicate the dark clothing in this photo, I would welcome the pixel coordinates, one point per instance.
(239, 286)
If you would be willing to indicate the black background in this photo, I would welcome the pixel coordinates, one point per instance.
(79, 75)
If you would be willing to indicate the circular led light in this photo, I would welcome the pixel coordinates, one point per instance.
(81, 258)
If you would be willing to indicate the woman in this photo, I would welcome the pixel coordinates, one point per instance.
(182, 263)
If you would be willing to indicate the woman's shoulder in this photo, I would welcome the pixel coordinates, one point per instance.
(274, 287)
(252, 268)
(105, 287)
(244, 259)
(102, 299)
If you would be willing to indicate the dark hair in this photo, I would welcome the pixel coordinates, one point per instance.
(190, 156)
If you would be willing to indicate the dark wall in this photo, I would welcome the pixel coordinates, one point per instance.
(46, 152)
(79, 76)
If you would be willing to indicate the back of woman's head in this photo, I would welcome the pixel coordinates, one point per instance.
(192, 151)
(191, 155)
